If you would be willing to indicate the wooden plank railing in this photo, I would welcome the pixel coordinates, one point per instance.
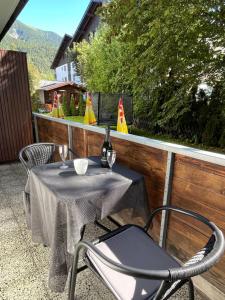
(175, 174)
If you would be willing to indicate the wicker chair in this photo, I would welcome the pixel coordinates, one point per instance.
(134, 267)
(38, 154)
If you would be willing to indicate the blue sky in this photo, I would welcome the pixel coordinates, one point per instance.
(54, 15)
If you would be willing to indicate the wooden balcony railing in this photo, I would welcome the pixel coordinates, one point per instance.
(174, 174)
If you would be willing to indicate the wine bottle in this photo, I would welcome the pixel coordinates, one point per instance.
(105, 147)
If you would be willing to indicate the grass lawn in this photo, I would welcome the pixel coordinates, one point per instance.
(78, 119)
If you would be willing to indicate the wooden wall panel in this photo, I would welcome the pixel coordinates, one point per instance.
(198, 186)
(94, 143)
(79, 142)
(52, 132)
(15, 105)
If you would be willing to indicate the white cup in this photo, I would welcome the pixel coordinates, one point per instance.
(80, 165)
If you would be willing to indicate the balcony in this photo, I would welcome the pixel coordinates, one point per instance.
(185, 177)
(188, 178)
(23, 264)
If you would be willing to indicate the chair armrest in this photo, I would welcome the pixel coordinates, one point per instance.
(210, 254)
(23, 161)
(192, 268)
(178, 210)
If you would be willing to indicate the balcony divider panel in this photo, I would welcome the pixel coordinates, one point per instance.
(15, 105)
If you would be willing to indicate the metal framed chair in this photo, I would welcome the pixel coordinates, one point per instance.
(35, 155)
(38, 154)
(134, 267)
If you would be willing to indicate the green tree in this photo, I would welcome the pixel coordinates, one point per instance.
(34, 77)
(160, 51)
(35, 102)
(102, 62)
(81, 105)
(72, 106)
(65, 105)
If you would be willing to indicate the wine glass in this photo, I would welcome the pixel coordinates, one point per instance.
(111, 157)
(63, 152)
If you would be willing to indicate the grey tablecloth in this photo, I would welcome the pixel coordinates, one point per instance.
(61, 202)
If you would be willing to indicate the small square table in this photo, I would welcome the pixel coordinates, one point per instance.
(61, 203)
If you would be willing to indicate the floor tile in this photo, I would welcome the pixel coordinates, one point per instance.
(27, 288)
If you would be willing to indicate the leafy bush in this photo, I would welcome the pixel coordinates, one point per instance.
(215, 126)
(82, 105)
(72, 106)
(222, 139)
(212, 132)
(35, 102)
(65, 106)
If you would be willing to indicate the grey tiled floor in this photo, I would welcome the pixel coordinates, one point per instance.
(23, 264)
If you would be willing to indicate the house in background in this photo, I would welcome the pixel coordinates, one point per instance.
(63, 89)
(63, 63)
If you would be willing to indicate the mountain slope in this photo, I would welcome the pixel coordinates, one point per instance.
(40, 46)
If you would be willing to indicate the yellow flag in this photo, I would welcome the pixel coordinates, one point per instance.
(89, 117)
(121, 121)
(55, 110)
(60, 111)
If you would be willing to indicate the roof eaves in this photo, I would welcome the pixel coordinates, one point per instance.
(62, 47)
(85, 19)
(61, 85)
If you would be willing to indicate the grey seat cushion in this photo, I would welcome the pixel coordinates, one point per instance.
(131, 247)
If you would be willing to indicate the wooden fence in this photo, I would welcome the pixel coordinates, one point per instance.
(15, 105)
(185, 177)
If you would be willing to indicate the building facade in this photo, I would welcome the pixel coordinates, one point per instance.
(63, 63)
